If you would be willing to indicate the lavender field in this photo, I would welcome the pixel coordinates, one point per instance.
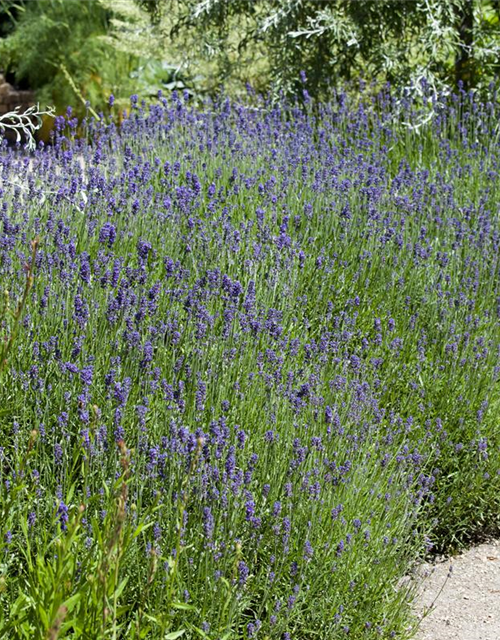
(249, 369)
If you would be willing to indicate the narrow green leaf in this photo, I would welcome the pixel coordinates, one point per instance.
(183, 606)
(174, 634)
(71, 602)
(43, 616)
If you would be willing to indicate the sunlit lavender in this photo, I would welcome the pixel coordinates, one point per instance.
(255, 377)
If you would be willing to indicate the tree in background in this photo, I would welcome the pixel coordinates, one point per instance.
(334, 41)
(464, 71)
(79, 51)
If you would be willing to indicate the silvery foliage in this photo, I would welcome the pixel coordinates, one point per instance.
(334, 41)
(24, 123)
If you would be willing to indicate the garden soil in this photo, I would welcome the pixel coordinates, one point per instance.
(466, 600)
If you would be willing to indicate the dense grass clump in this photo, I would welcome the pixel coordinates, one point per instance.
(250, 367)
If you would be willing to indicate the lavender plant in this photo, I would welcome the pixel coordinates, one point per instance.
(260, 356)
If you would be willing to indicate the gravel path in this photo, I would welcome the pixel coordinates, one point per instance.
(466, 600)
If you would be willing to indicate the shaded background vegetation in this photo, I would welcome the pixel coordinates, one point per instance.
(73, 51)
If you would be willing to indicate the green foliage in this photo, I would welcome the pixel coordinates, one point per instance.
(84, 50)
(55, 49)
(78, 52)
(333, 41)
(69, 588)
(8, 16)
(131, 29)
(53, 40)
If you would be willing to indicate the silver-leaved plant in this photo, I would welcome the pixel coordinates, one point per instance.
(24, 123)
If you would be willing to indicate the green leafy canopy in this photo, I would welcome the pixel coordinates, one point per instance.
(268, 42)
